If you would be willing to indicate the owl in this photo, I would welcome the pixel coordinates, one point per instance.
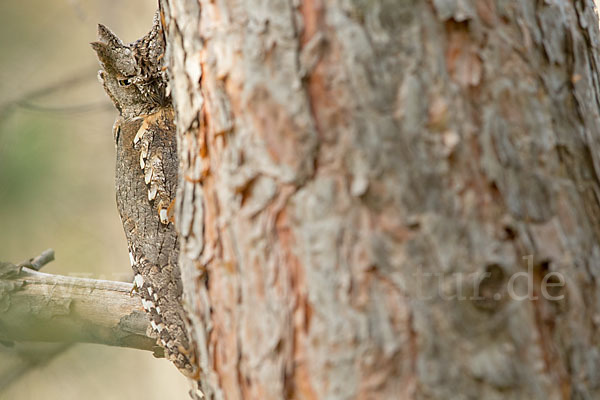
(146, 178)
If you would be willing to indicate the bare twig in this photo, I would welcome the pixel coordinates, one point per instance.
(35, 306)
(73, 80)
(38, 262)
(80, 108)
(26, 100)
(24, 365)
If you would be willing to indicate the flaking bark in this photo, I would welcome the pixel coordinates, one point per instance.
(361, 180)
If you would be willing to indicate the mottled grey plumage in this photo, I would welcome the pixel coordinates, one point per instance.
(146, 179)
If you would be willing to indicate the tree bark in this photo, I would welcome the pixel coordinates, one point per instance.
(389, 199)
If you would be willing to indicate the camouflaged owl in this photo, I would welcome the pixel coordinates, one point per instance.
(146, 179)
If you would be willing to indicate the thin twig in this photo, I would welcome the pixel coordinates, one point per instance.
(25, 364)
(38, 262)
(25, 100)
(81, 108)
(73, 80)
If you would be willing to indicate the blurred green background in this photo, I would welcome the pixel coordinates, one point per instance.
(56, 187)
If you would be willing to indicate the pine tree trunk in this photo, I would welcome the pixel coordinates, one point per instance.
(390, 199)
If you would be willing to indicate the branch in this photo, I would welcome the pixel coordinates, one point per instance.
(40, 307)
(38, 262)
(33, 358)
(75, 80)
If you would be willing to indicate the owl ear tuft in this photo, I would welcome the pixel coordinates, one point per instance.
(99, 47)
(114, 56)
(104, 54)
(105, 35)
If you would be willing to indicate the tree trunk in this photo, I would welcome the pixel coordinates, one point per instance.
(389, 199)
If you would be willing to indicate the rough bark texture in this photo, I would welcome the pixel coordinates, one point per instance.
(360, 182)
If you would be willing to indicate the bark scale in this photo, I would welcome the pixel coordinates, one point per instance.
(362, 182)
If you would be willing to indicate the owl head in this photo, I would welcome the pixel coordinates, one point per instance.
(132, 73)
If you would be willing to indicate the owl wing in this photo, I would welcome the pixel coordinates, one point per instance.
(155, 139)
(153, 247)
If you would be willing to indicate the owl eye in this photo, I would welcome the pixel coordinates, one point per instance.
(124, 82)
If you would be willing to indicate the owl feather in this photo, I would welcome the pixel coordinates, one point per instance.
(146, 178)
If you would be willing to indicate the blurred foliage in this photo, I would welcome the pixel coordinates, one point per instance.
(24, 170)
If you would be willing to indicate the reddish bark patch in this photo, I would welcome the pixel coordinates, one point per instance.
(326, 91)
(486, 10)
(298, 384)
(545, 322)
(312, 12)
(462, 58)
(283, 138)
